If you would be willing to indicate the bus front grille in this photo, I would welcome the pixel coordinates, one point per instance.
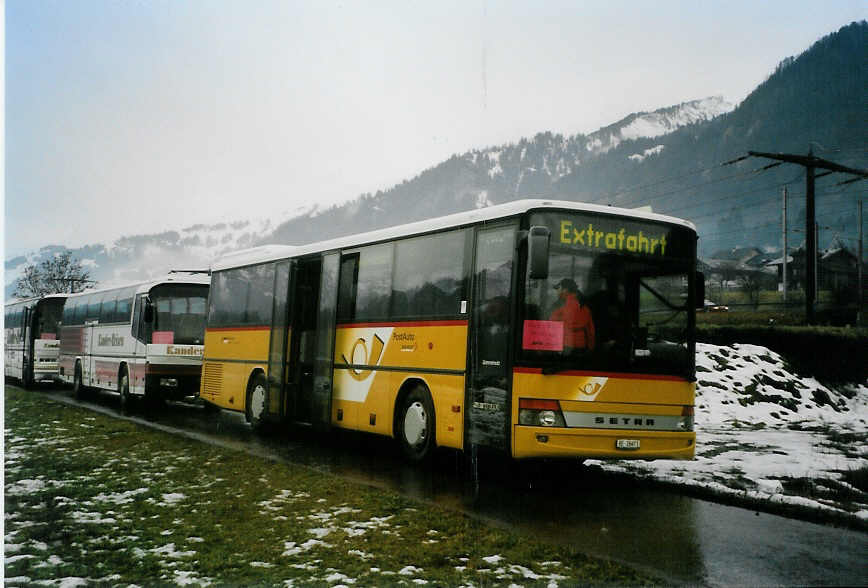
(212, 379)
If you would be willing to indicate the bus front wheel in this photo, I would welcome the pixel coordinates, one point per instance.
(124, 390)
(27, 378)
(415, 425)
(78, 389)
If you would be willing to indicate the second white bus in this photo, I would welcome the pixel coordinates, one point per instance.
(144, 340)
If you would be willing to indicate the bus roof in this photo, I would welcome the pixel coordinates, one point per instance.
(35, 299)
(187, 279)
(267, 253)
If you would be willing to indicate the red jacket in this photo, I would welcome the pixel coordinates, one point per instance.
(578, 323)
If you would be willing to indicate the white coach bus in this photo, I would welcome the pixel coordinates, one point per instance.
(31, 338)
(143, 340)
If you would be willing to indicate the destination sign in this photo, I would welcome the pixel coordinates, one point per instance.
(617, 239)
(601, 234)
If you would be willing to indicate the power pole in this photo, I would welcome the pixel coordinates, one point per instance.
(784, 234)
(811, 163)
(859, 265)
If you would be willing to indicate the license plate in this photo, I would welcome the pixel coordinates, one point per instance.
(627, 444)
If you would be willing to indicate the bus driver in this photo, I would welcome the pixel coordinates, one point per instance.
(576, 317)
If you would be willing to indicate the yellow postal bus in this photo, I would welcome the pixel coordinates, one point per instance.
(538, 328)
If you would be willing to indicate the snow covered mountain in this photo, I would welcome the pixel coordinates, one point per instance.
(553, 156)
(657, 123)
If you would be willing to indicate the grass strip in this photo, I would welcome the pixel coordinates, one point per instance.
(96, 500)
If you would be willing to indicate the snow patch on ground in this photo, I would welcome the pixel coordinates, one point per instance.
(765, 433)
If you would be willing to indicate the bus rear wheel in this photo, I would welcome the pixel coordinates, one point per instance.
(415, 425)
(256, 396)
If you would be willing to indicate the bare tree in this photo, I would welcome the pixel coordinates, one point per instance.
(60, 273)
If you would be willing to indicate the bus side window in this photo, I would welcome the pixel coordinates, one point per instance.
(122, 312)
(94, 302)
(347, 286)
(365, 286)
(107, 308)
(429, 280)
(80, 311)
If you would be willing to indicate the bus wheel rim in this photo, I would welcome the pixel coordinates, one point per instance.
(257, 401)
(415, 424)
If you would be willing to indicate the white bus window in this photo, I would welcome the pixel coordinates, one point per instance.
(107, 307)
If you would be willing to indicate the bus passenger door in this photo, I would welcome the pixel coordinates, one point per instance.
(278, 347)
(311, 359)
(489, 390)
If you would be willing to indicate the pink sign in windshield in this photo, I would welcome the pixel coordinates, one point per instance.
(543, 336)
(164, 337)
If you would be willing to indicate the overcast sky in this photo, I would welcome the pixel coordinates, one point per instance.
(141, 116)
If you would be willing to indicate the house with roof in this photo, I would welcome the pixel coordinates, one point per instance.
(837, 267)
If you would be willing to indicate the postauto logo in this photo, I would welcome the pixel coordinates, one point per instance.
(361, 357)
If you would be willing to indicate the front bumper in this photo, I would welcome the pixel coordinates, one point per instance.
(529, 442)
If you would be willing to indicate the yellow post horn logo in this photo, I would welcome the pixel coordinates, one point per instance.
(377, 346)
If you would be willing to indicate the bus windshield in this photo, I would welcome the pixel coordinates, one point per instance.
(181, 311)
(616, 297)
(49, 315)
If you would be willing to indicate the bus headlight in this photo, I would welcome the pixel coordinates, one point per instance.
(540, 413)
(169, 382)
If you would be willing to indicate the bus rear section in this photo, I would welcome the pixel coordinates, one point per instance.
(46, 337)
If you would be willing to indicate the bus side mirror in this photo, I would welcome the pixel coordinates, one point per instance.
(699, 290)
(538, 252)
(149, 312)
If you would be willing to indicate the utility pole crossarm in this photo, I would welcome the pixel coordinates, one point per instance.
(811, 161)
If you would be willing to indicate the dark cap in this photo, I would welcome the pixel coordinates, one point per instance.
(568, 284)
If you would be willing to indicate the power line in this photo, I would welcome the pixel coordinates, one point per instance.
(661, 181)
(681, 210)
(657, 197)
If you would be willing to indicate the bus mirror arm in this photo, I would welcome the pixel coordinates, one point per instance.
(538, 239)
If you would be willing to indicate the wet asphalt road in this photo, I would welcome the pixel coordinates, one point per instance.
(683, 539)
